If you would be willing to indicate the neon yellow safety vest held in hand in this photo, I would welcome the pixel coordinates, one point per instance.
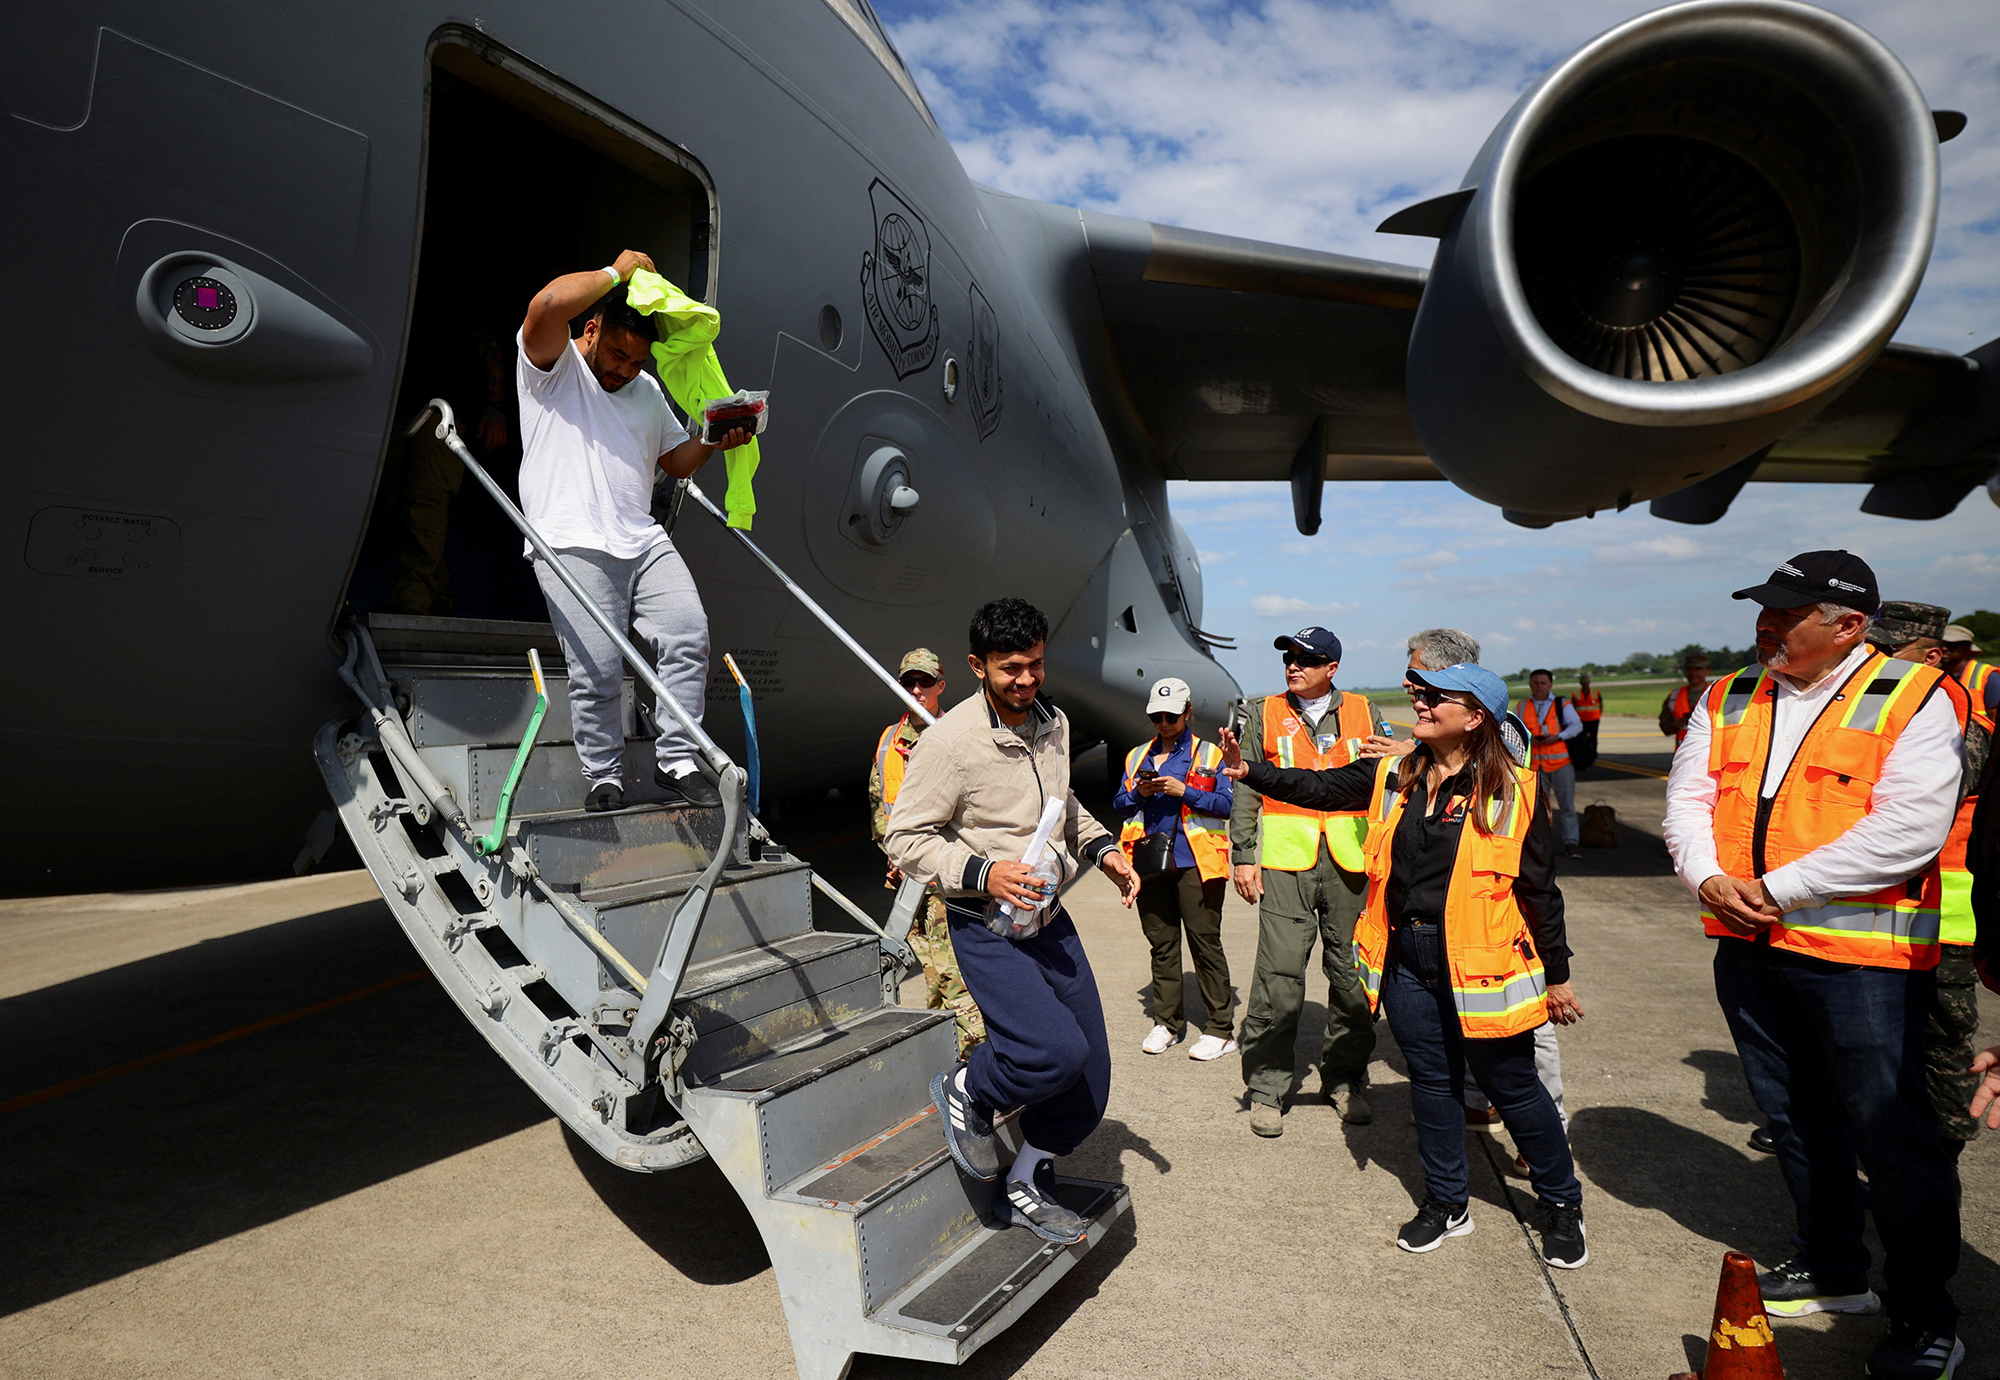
(688, 367)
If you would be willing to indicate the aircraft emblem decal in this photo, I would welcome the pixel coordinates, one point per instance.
(982, 357)
(896, 284)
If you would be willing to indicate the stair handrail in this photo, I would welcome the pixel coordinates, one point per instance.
(812, 607)
(677, 944)
(910, 895)
(389, 731)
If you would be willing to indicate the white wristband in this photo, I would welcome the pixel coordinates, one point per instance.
(616, 281)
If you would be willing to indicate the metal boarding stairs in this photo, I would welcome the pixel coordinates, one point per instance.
(655, 975)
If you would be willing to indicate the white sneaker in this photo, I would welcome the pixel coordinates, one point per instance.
(1211, 1047)
(1161, 1040)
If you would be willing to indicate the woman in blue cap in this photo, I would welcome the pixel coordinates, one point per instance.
(1461, 940)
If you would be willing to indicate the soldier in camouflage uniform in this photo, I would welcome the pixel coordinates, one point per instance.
(1915, 632)
(922, 674)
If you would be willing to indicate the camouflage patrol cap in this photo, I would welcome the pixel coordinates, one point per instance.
(923, 660)
(1901, 622)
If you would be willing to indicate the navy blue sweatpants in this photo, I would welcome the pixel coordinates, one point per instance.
(1045, 1048)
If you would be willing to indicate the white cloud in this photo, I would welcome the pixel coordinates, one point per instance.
(1285, 606)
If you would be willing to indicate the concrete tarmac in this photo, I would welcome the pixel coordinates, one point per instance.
(357, 1187)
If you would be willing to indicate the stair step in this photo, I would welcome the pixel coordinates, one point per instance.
(461, 705)
(636, 844)
(753, 907)
(806, 1116)
(739, 987)
(982, 1286)
(552, 782)
(869, 1170)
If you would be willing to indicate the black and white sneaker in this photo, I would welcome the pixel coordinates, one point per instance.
(605, 795)
(1562, 1240)
(1031, 1203)
(1908, 1352)
(691, 789)
(1791, 1290)
(968, 1128)
(1432, 1224)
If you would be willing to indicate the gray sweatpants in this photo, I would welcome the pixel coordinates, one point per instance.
(654, 596)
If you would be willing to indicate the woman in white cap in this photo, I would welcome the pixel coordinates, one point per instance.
(1461, 939)
(1176, 811)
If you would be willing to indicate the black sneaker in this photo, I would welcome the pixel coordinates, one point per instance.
(1031, 1203)
(692, 789)
(1907, 1352)
(1762, 1139)
(1562, 1241)
(1432, 1224)
(605, 795)
(1790, 1291)
(968, 1129)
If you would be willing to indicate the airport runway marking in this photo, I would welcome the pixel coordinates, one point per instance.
(89, 1080)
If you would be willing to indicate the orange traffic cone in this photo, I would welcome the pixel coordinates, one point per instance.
(1740, 1345)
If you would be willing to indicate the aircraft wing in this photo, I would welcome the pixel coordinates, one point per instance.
(1246, 360)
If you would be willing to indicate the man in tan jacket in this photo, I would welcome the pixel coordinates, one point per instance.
(973, 793)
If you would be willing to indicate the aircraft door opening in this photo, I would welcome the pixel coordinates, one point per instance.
(525, 179)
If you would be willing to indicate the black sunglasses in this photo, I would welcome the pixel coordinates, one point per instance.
(1306, 661)
(1168, 718)
(917, 680)
(1430, 697)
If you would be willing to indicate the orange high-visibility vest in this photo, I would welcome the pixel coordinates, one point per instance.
(1292, 834)
(1827, 790)
(1496, 975)
(1547, 756)
(1956, 923)
(1588, 704)
(1207, 835)
(1976, 677)
(890, 760)
(1684, 702)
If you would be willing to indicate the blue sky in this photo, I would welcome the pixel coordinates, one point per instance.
(1306, 123)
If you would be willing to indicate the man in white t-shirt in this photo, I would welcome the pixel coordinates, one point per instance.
(594, 424)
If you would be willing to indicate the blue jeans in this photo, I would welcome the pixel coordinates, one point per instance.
(1416, 996)
(1834, 1057)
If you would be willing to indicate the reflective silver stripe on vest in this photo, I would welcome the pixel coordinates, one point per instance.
(1865, 918)
(1890, 680)
(1742, 690)
(1371, 977)
(1498, 1001)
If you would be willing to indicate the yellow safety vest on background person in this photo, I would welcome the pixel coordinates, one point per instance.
(1828, 789)
(1956, 923)
(1547, 756)
(1976, 676)
(1207, 835)
(1292, 834)
(1496, 975)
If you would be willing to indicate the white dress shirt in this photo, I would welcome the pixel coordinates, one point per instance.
(1909, 813)
(1571, 725)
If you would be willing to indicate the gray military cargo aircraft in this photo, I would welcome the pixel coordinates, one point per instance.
(275, 234)
(1676, 265)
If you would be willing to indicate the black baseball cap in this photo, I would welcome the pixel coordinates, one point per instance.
(1815, 577)
(1311, 641)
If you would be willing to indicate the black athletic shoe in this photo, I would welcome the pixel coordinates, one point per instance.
(1762, 1139)
(1031, 1203)
(1907, 1352)
(605, 795)
(1790, 1291)
(692, 789)
(968, 1129)
(1432, 1224)
(1562, 1242)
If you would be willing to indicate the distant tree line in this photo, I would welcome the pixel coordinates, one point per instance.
(1985, 628)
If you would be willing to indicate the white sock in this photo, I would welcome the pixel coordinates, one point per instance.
(1026, 1163)
(679, 770)
(959, 1083)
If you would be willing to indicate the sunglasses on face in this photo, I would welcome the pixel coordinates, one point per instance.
(1168, 718)
(1431, 698)
(917, 680)
(1306, 661)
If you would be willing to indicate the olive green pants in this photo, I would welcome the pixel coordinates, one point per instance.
(1949, 1030)
(1299, 907)
(1169, 902)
